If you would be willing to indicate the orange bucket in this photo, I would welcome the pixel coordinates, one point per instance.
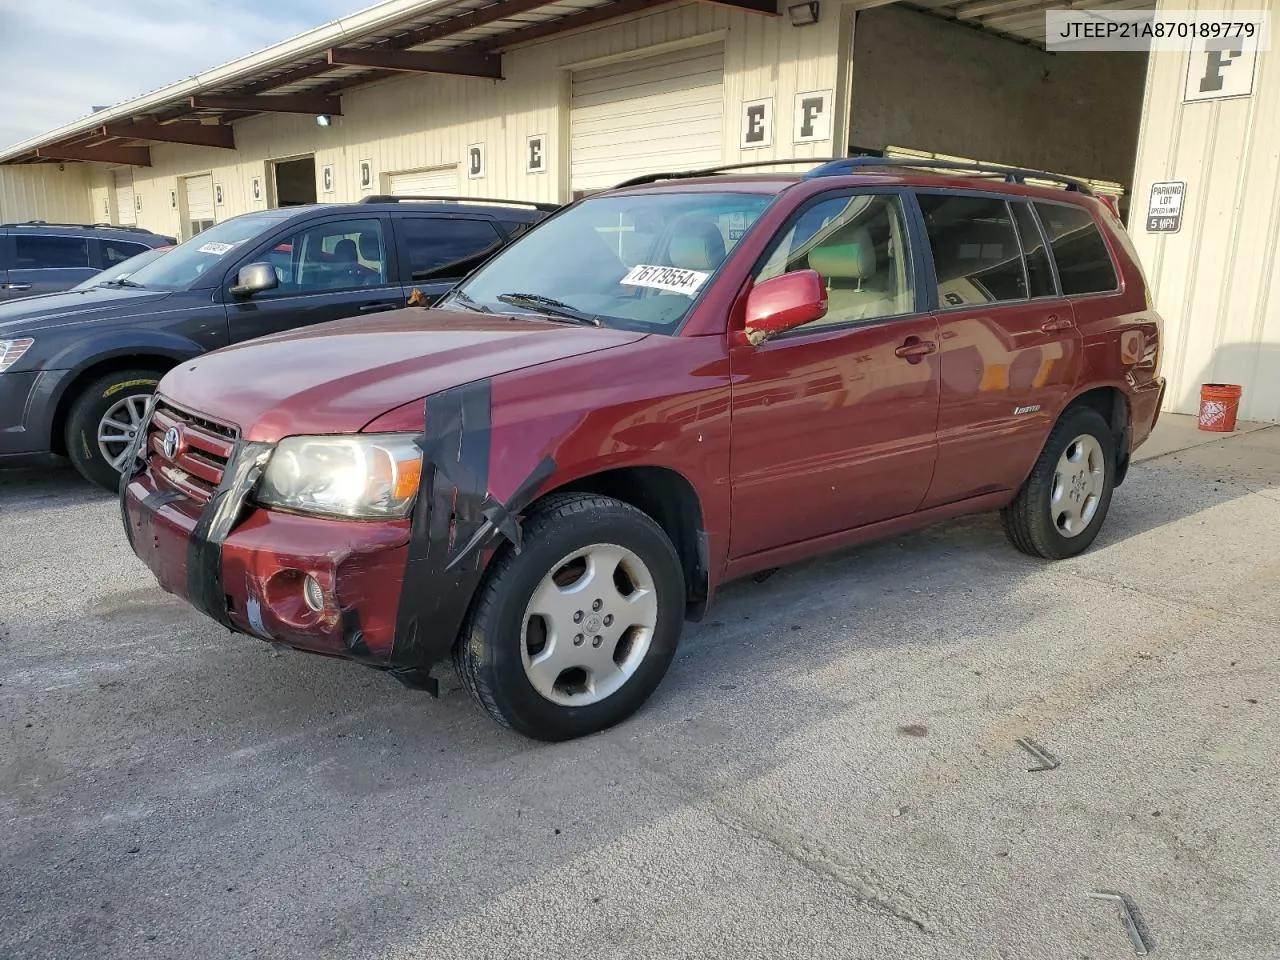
(1219, 403)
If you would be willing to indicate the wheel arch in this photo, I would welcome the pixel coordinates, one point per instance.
(161, 363)
(672, 501)
(1112, 404)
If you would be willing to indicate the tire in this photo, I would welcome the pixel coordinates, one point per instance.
(1053, 517)
(116, 394)
(498, 652)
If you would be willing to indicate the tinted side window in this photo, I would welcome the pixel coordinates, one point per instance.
(338, 255)
(445, 249)
(976, 254)
(47, 253)
(1084, 263)
(516, 228)
(117, 251)
(1039, 274)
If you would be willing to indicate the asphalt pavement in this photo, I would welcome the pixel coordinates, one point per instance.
(831, 769)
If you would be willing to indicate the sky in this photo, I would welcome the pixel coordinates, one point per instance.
(61, 58)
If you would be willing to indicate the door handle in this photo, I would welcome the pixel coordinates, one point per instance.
(1056, 323)
(379, 307)
(913, 349)
(15, 286)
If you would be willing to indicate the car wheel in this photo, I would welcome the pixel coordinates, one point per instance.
(103, 422)
(1061, 507)
(573, 633)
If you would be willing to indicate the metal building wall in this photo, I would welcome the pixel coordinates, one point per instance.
(1217, 280)
(420, 122)
(45, 192)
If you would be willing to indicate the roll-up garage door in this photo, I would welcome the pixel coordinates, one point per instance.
(442, 182)
(199, 204)
(642, 116)
(125, 213)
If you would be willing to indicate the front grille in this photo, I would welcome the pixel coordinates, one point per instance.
(206, 446)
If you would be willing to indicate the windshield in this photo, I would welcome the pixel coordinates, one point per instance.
(632, 262)
(183, 266)
(122, 269)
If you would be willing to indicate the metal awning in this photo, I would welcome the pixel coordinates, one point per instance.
(309, 73)
(1021, 20)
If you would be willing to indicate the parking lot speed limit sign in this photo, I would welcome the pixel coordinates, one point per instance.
(1164, 213)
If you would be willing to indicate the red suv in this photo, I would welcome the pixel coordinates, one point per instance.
(661, 388)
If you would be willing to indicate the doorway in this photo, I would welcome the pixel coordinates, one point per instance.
(295, 181)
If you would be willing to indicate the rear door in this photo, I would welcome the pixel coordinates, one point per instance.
(1010, 352)
(327, 270)
(47, 262)
(438, 251)
(834, 423)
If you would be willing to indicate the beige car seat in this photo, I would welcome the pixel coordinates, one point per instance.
(857, 289)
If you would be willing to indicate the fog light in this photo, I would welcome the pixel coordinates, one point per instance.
(312, 593)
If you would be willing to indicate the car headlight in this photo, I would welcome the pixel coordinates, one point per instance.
(365, 476)
(11, 351)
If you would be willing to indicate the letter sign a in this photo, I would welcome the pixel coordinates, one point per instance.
(812, 117)
(475, 161)
(757, 124)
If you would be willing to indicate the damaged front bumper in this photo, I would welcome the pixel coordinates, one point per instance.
(246, 567)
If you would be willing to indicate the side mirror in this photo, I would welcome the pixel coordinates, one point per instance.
(784, 303)
(254, 278)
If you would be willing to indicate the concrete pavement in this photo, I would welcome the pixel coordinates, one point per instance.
(829, 770)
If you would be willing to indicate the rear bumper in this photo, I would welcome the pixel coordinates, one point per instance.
(257, 571)
(1146, 400)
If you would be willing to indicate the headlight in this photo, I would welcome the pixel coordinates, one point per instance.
(11, 351)
(367, 476)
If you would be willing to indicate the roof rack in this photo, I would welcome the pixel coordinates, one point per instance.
(78, 226)
(724, 168)
(396, 198)
(850, 165)
(846, 166)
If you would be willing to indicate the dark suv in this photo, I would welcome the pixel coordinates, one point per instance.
(38, 257)
(76, 368)
(659, 389)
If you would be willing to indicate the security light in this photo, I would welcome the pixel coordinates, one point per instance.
(324, 120)
(803, 14)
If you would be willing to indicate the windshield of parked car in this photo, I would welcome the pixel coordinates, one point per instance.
(122, 269)
(635, 262)
(188, 264)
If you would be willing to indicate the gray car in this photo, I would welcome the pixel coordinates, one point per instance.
(38, 257)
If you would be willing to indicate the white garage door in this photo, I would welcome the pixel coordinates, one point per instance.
(125, 212)
(441, 182)
(199, 204)
(646, 116)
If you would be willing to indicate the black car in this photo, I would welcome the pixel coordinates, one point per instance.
(38, 257)
(76, 368)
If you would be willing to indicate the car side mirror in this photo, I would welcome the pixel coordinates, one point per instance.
(254, 278)
(784, 303)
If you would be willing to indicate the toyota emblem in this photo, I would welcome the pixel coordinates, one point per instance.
(172, 441)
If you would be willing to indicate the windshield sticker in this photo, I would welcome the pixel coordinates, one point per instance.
(671, 279)
(217, 249)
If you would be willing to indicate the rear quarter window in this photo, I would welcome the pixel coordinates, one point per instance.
(1081, 254)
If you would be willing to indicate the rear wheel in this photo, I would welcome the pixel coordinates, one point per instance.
(575, 632)
(103, 422)
(1060, 509)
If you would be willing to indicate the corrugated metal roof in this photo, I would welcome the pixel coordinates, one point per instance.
(1018, 19)
(299, 65)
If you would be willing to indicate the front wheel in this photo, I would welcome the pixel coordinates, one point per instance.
(103, 422)
(1060, 509)
(573, 633)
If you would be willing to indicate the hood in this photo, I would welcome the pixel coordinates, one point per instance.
(337, 377)
(32, 314)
